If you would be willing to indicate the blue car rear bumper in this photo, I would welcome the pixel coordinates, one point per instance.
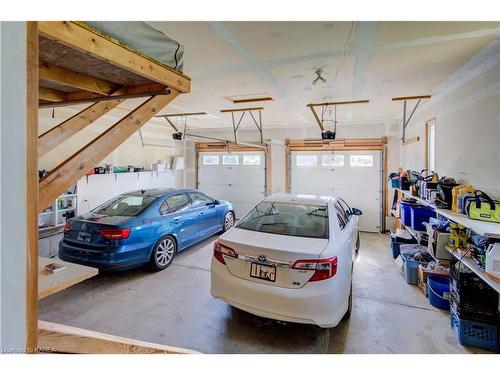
(115, 259)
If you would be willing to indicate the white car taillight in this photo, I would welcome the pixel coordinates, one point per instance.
(220, 250)
(324, 268)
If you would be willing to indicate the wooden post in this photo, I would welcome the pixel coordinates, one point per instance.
(75, 167)
(32, 187)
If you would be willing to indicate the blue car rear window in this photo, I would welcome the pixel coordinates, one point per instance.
(125, 205)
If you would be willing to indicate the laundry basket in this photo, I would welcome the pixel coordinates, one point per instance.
(439, 291)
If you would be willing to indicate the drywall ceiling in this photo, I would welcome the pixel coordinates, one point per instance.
(361, 60)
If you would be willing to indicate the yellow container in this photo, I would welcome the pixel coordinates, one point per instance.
(459, 191)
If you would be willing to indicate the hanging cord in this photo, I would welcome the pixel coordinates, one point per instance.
(345, 53)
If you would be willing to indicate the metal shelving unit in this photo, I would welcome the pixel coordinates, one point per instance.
(52, 220)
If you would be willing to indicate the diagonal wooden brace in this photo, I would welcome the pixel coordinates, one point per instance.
(76, 166)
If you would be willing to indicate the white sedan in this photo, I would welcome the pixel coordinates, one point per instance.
(290, 258)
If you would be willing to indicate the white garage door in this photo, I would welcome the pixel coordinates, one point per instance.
(354, 176)
(238, 177)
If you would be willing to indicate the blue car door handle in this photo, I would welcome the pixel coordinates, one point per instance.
(202, 213)
(176, 220)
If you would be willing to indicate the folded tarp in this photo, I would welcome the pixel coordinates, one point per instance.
(145, 39)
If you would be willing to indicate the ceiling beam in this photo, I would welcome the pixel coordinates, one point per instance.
(242, 109)
(338, 103)
(50, 95)
(76, 166)
(411, 97)
(86, 39)
(66, 77)
(82, 97)
(183, 114)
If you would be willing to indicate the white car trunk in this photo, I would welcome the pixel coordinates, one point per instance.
(280, 251)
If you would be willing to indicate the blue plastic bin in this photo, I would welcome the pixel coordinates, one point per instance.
(396, 243)
(410, 268)
(475, 334)
(405, 212)
(439, 291)
(420, 214)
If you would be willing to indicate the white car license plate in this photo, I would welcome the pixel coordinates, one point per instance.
(261, 271)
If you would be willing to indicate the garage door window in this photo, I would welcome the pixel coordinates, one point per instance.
(306, 160)
(251, 159)
(210, 159)
(230, 159)
(333, 160)
(361, 161)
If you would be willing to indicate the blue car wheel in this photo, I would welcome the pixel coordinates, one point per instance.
(228, 221)
(163, 254)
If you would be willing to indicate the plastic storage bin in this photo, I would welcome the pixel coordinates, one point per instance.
(439, 291)
(475, 334)
(405, 212)
(396, 243)
(410, 268)
(420, 214)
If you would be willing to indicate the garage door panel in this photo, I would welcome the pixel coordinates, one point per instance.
(242, 185)
(359, 186)
(215, 176)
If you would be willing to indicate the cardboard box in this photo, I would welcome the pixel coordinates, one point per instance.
(437, 244)
(423, 274)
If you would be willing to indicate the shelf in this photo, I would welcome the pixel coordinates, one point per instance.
(482, 228)
(471, 264)
(67, 209)
(50, 283)
(47, 213)
(67, 195)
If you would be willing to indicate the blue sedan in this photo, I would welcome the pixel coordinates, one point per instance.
(143, 227)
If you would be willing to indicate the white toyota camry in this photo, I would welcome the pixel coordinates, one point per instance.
(290, 258)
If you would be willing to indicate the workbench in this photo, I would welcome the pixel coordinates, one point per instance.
(50, 283)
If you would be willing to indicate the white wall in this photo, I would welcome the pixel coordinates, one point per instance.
(13, 186)
(467, 112)
(97, 189)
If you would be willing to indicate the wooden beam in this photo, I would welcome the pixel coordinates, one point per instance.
(339, 103)
(411, 140)
(252, 100)
(75, 167)
(411, 97)
(65, 339)
(51, 95)
(88, 40)
(352, 144)
(269, 174)
(31, 187)
(171, 123)
(66, 77)
(225, 147)
(316, 117)
(183, 114)
(65, 130)
(242, 109)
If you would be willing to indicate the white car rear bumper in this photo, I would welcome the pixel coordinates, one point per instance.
(322, 303)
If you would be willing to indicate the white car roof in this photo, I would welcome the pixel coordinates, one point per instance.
(319, 200)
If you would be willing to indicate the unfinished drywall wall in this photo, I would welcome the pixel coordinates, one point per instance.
(467, 112)
(13, 187)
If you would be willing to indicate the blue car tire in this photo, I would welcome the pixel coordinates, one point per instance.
(163, 253)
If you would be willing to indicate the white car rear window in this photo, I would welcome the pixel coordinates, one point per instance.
(287, 219)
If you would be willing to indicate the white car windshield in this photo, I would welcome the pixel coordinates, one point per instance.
(287, 219)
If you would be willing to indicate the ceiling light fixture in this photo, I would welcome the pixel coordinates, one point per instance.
(319, 73)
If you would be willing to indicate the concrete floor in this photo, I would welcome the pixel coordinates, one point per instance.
(174, 307)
